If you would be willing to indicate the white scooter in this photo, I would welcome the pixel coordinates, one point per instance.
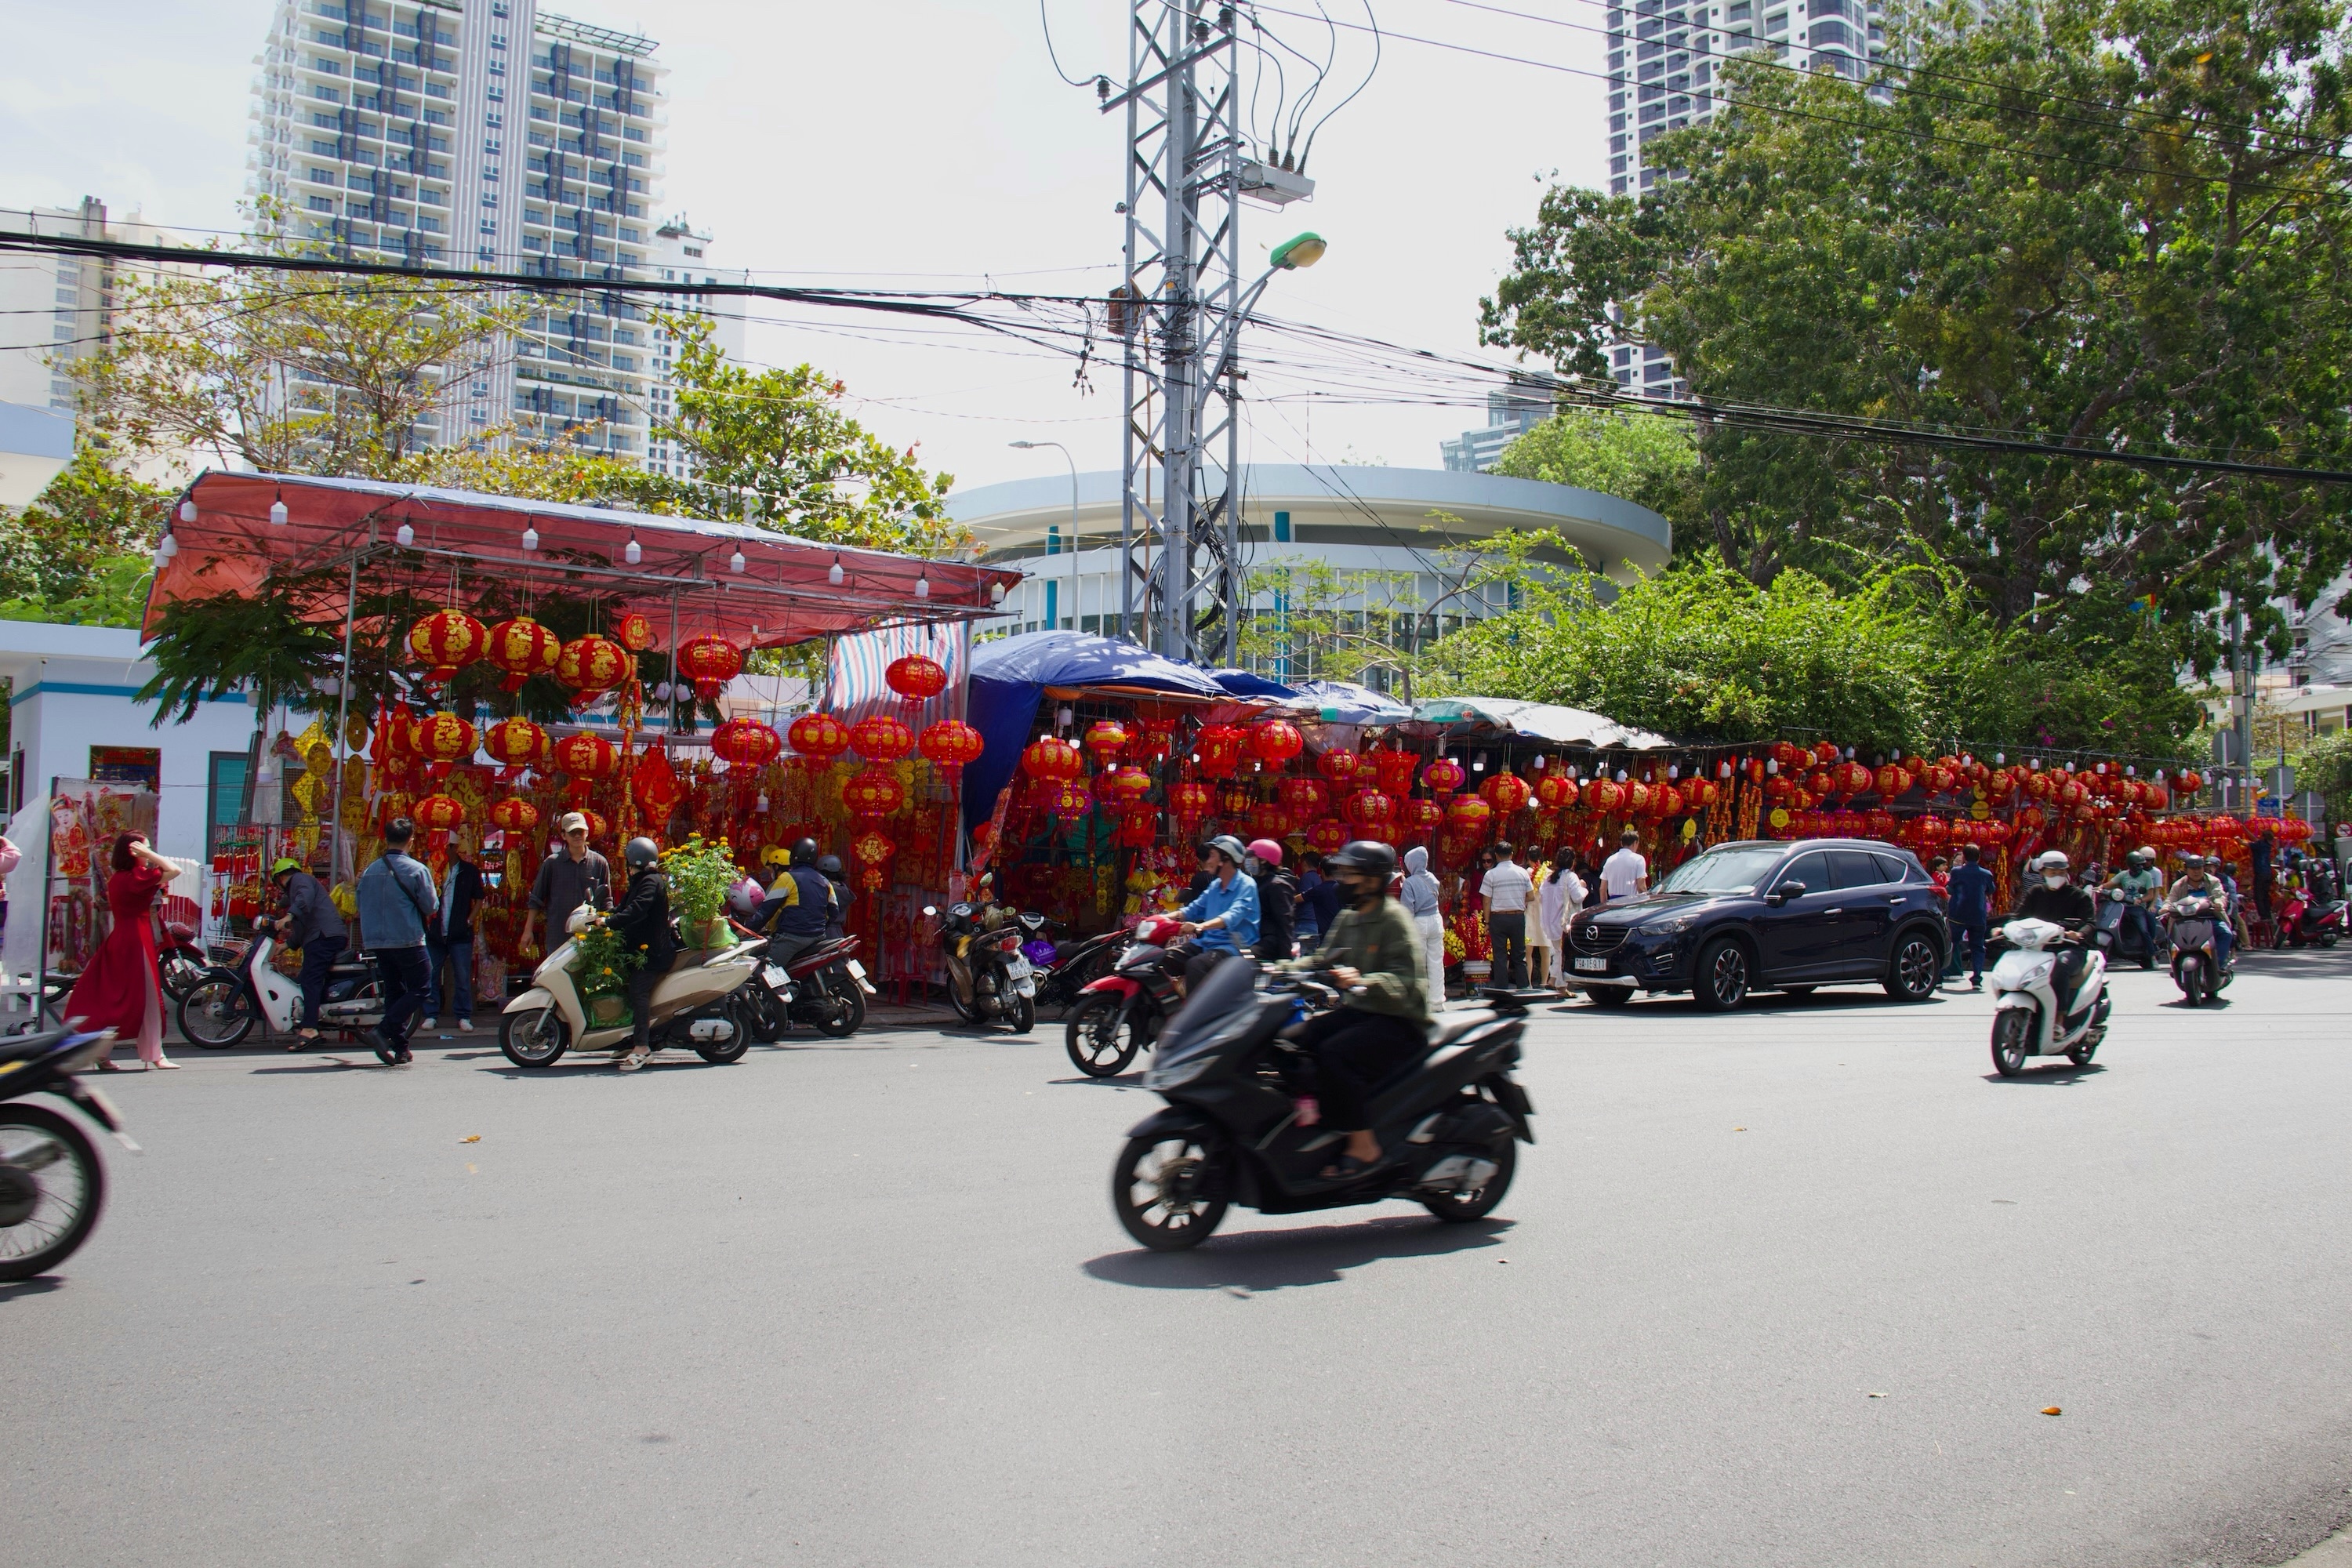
(2028, 1020)
(696, 1004)
(220, 1009)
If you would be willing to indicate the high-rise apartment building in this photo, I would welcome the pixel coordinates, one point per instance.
(62, 308)
(1511, 412)
(481, 133)
(682, 255)
(1665, 73)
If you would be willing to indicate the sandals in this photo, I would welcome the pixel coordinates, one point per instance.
(303, 1040)
(1347, 1168)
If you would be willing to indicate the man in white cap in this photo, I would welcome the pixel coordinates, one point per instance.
(569, 878)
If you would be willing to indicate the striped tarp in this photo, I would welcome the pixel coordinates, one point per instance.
(855, 686)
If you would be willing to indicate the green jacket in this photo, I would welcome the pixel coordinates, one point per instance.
(1383, 945)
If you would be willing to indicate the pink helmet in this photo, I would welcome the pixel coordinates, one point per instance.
(1267, 851)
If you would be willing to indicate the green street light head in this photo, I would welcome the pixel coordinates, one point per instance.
(1301, 251)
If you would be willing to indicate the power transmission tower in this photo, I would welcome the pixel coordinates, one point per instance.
(1177, 313)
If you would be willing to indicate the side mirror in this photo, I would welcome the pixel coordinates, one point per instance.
(1784, 892)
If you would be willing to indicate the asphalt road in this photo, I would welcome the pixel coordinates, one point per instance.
(1788, 1288)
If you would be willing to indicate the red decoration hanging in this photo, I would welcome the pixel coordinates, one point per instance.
(514, 814)
(445, 642)
(873, 852)
(1052, 759)
(1605, 795)
(819, 737)
(522, 649)
(586, 755)
(1444, 776)
(915, 679)
(1219, 747)
(1106, 739)
(443, 738)
(438, 814)
(881, 738)
(1268, 819)
(746, 744)
(873, 792)
(1396, 769)
(949, 745)
(1068, 800)
(1275, 741)
(1467, 815)
(1127, 789)
(633, 632)
(1503, 793)
(1306, 799)
(1555, 792)
(1340, 765)
(655, 783)
(1371, 812)
(710, 662)
(517, 744)
(1420, 816)
(1189, 801)
(1325, 836)
(1891, 781)
(593, 664)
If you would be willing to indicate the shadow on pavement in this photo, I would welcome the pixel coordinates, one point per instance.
(1122, 1081)
(1258, 1260)
(39, 1285)
(2066, 1072)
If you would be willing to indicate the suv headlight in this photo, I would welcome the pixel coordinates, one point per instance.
(1668, 928)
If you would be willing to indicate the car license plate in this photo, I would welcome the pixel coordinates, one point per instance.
(1592, 966)
(773, 973)
(856, 969)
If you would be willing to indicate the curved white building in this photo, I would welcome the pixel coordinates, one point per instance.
(1405, 535)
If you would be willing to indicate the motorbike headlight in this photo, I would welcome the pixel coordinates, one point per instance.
(1161, 1078)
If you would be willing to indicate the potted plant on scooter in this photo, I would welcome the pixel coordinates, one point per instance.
(699, 874)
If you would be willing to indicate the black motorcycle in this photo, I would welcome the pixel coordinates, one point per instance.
(1074, 966)
(1449, 1122)
(825, 987)
(2197, 967)
(51, 1181)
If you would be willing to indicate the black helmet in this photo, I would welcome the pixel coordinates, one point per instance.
(805, 852)
(640, 853)
(830, 866)
(1368, 856)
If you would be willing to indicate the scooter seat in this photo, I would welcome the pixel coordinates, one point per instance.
(1447, 1027)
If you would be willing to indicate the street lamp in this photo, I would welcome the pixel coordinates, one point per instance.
(1052, 620)
(1299, 250)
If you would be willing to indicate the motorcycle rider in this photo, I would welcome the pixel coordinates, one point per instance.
(799, 906)
(1278, 900)
(2195, 882)
(2141, 886)
(643, 921)
(1225, 916)
(1373, 956)
(836, 924)
(2058, 899)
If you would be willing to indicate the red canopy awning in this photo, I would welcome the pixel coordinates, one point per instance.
(782, 594)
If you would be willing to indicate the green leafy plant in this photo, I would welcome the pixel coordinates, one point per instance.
(601, 963)
(264, 645)
(699, 874)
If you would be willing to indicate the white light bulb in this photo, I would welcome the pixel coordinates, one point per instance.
(278, 514)
(407, 536)
(760, 805)
(187, 511)
(169, 548)
(832, 573)
(162, 554)
(735, 562)
(531, 538)
(922, 587)
(996, 593)
(631, 552)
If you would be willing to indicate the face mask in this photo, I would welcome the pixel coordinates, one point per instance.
(2053, 882)
(1250, 864)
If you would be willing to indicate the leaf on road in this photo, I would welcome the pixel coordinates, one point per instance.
(2052, 1410)
(472, 1138)
(1877, 1397)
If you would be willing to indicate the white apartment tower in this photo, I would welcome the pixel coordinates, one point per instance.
(682, 255)
(1674, 81)
(481, 133)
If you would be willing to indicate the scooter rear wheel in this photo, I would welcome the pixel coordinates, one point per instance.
(846, 1013)
(2008, 1039)
(1153, 1187)
(1461, 1209)
(1022, 1016)
(51, 1189)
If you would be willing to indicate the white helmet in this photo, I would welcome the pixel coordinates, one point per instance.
(2052, 862)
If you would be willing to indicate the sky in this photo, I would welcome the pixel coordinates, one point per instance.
(897, 143)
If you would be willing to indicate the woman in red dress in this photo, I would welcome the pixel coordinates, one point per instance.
(119, 990)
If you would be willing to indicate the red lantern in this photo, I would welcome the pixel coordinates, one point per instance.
(596, 824)
(2188, 781)
(1372, 812)
(1276, 741)
(819, 737)
(1325, 836)
(517, 744)
(655, 784)
(1125, 789)
(949, 745)
(1605, 795)
(1555, 792)
(874, 852)
(522, 647)
(710, 662)
(1444, 776)
(1421, 816)
(1219, 747)
(446, 642)
(1268, 820)
(443, 738)
(514, 814)
(1790, 756)
(1306, 799)
(633, 632)
(1666, 800)
(881, 738)
(1189, 801)
(438, 814)
(1826, 753)
(874, 792)
(586, 755)
(1396, 770)
(915, 680)
(1068, 801)
(746, 744)
(591, 664)
(1467, 816)
(1051, 760)
(1891, 781)
(1505, 794)
(1340, 765)
(1700, 794)
(1105, 740)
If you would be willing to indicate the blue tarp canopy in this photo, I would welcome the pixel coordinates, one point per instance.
(1008, 677)
(1345, 702)
(1242, 683)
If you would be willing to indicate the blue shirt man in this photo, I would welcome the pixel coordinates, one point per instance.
(1969, 888)
(1230, 900)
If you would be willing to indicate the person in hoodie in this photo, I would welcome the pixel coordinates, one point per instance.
(1419, 897)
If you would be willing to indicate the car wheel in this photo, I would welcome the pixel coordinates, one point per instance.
(1610, 995)
(1915, 968)
(1719, 980)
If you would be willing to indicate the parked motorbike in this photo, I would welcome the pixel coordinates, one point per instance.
(989, 978)
(2030, 1019)
(701, 1004)
(825, 987)
(1449, 1122)
(2311, 923)
(221, 1009)
(52, 1184)
(2197, 967)
(1066, 969)
(180, 961)
(1120, 1014)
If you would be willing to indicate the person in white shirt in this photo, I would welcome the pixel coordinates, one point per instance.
(1625, 875)
(1505, 887)
(1562, 895)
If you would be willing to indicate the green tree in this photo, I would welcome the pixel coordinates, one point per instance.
(90, 516)
(1647, 459)
(2325, 766)
(2113, 222)
(114, 594)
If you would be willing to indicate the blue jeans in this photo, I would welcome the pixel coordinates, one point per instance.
(406, 977)
(2141, 918)
(458, 958)
(2223, 938)
(1973, 933)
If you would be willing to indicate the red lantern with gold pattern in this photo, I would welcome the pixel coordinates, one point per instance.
(443, 738)
(1444, 776)
(1555, 792)
(1189, 801)
(1826, 753)
(1701, 793)
(522, 649)
(593, 664)
(1106, 739)
(655, 783)
(446, 642)
(1469, 815)
(1049, 758)
(1395, 769)
(517, 744)
(819, 737)
(915, 679)
(1371, 812)
(949, 745)
(596, 822)
(1325, 837)
(2188, 781)
(1219, 747)
(1851, 778)
(1421, 816)
(874, 792)
(1637, 799)
(1666, 800)
(881, 738)
(1340, 765)
(1606, 796)
(1275, 741)
(746, 744)
(710, 662)
(1890, 781)
(1068, 800)
(633, 632)
(1306, 799)
(513, 815)
(1505, 794)
(1268, 819)
(1125, 789)
(438, 814)
(586, 755)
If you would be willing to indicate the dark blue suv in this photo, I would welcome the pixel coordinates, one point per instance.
(1760, 916)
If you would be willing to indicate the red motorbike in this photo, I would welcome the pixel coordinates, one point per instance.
(2304, 923)
(1120, 1014)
